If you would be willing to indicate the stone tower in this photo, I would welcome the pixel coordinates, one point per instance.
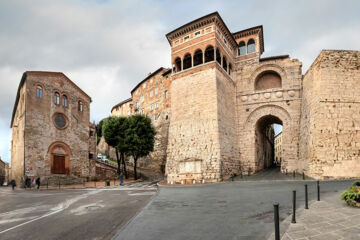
(202, 134)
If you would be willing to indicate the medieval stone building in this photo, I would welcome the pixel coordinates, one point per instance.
(51, 134)
(220, 98)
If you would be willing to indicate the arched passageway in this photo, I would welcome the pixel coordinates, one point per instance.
(264, 142)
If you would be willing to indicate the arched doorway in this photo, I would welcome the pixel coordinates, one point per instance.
(257, 139)
(265, 142)
(59, 158)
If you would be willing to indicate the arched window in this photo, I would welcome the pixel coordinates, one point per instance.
(198, 58)
(187, 61)
(80, 106)
(57, 98)
(268, 80)
(251, 46)
(209, 54)
(224, 64)
(64, 100)
(242, 48)
(177, 64)
(39, 92)
(218, 57)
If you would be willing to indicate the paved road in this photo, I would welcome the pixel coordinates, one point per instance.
(230, 210)
(70, 214)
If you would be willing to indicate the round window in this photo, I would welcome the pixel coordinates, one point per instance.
(60, 121)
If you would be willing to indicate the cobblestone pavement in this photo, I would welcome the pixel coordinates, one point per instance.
(328, 219)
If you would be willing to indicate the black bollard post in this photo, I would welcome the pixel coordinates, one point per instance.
(285, 171)
(276, 221)
(318, 190)
(249, 170)
(241, 174)
(306, 197)
(293, 174)
(294, 208)
(303, 175)
(47, 184)
(95, 183)
(84, 183)
(59, 184)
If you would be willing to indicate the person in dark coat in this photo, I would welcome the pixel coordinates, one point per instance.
(121, 178)
(38, 182)
(13, 184)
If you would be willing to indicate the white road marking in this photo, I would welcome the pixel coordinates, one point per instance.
(87, 208)
(16, 219)
(60, 207)
(142, 194)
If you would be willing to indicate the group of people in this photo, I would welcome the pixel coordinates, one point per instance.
(27, 182)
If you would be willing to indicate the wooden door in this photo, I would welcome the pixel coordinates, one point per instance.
(59, 164)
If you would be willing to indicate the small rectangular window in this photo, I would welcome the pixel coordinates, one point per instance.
(151, 93)
(156, 91)
(91, 155)
(144, 86)
(91, 133)
(151, 107)
(156, 105)
(142, 99)
(197, 34)
(166, 94)
(142, 111)
(187, 38)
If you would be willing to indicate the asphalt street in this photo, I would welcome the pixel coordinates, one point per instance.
(229, 210)
(69, 214)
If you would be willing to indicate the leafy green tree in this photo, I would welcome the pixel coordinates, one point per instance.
(99, 130)
(114, 131)
(140, 138)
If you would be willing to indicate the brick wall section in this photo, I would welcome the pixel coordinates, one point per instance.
(330, 116)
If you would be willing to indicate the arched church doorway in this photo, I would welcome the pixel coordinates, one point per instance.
(266, 149)
(59, 158)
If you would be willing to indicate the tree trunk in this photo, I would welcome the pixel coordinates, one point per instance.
(135, 161)
(118, 160)
(122, 155)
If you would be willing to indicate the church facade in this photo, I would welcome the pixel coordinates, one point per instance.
(52, 137)
(222, 97)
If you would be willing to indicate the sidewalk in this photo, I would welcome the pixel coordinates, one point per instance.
(92, 184)
(328, 219)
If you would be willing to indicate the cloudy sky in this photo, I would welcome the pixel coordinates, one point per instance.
(107, 47)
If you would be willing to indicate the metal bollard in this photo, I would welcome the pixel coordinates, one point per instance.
(276, 221)
(47, 184)
(318, 190)
(306, 197)
(95, 183)
(303, 175)
(84, 182)
(286, 171)
(293, 174)
(294, 208)
(59, 184)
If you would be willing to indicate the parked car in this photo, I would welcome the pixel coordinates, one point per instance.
(99, 156)
(104, 158)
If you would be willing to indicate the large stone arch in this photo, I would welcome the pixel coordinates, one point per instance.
(266, 114)
(58, 151)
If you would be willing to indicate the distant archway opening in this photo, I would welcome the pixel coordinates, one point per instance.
(177, 64)
(268, 80)
(187, 61)
(198, 58)
(218, 56)
(209, 54)
(265, 130)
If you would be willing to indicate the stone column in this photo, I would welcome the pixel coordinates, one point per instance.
(181, 65)
(228, 69)
(203, 56)
(214, 54)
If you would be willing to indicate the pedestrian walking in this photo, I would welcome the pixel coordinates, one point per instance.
(38, 182)
(13, 184)
(121, 178)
